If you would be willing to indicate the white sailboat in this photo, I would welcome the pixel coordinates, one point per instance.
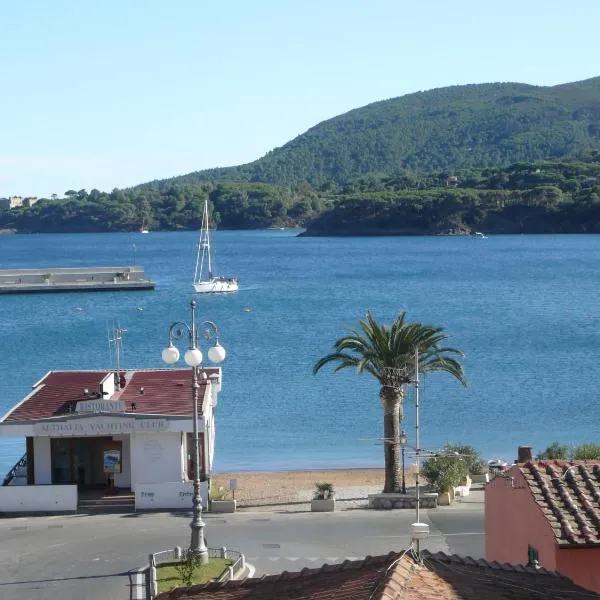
(144, 228)
(205, 281)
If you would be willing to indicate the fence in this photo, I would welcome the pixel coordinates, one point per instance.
(174, 555)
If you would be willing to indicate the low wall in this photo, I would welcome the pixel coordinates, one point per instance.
(174, 494)
(389, 501)
(38, 498)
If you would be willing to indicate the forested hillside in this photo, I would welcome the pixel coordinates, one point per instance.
(561, 196)
(551, 196)
(457, 127)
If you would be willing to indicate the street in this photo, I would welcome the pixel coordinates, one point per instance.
(76, 557)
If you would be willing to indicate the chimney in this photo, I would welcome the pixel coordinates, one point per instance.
(524, 454)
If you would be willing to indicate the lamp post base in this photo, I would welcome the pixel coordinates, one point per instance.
(198, 545)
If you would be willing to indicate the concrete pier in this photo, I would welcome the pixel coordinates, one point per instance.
(75, 279)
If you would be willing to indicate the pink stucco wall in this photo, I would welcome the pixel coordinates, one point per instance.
(582, 565)
(513, 521)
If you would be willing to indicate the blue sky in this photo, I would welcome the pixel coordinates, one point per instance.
(113, 93)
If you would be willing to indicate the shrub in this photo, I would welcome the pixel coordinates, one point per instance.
(586, 452)
(185, 568)
(472, 457)
(447, 470)
(323, 491)
(554, 451)
(219, 493)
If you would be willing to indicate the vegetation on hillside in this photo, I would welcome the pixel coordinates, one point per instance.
(560, 196)
(551, 196)
(458, 127)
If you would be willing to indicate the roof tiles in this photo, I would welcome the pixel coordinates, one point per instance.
(396, 576)
(568, 493)
(156, 392)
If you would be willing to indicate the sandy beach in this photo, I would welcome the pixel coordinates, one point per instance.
(284, 487)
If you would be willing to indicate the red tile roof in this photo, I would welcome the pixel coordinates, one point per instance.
(165, 392)
(396, 577)
(55, 392)
(568, 493)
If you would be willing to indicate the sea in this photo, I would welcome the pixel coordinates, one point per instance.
(524, 309)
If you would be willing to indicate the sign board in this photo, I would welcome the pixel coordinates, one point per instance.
(112, 457)
(102, 426)
(233, 484)
(109, 406)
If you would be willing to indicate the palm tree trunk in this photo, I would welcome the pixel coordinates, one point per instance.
(391, 435)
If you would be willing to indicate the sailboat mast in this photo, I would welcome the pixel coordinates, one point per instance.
(207, 237)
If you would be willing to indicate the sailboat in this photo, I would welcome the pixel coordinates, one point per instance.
(144, 227)
(205, 281)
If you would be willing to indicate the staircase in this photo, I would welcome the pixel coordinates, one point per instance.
(100, 502)
(18, 474)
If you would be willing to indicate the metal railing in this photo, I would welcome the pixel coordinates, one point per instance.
(174, 555)
(14, 472)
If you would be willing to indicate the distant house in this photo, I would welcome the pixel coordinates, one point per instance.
(452, 181)
(547, 513)
(396, 576)
(16, 201)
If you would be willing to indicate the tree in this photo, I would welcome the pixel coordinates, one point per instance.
(388, 354)
(587, 451)
(554, 452)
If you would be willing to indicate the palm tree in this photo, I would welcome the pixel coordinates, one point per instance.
(388, 354)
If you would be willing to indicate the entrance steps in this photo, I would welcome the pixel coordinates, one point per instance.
(102, 503)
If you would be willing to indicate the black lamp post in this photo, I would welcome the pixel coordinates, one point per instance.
(193, 358)
(403, 441)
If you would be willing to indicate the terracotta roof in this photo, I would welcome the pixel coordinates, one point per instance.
(568, 493)
(55, 392)
(165, 392)
(396, 577)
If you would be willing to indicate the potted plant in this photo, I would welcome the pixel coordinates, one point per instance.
(323, 497)
(220, 502)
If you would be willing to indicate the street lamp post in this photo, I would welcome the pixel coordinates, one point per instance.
(193, 358)
(403, 441)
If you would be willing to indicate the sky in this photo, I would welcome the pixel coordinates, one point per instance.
(108, 94)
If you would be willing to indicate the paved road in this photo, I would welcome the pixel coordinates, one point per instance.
(76, 557)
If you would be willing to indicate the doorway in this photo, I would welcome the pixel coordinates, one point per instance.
(78, 461)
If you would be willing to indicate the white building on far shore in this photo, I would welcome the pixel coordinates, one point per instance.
(96, 432)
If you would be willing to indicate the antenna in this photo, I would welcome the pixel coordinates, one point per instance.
(418, 530)
(117, 340)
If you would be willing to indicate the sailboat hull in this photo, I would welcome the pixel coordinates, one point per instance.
(217, 285)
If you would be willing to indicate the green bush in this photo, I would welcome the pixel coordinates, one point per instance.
(586, 452)
(472, 457)
(556, 451)
(445, 472)
(323, 491)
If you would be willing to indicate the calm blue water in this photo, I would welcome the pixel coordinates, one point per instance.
(523, 308)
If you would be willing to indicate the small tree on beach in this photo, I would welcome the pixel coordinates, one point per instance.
(388, 354)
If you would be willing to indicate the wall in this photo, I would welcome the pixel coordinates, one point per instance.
(156, 458)
(42, 474)
(38, 498)
(173, 495)
(513, 521)
(123, 479)
(582, 565)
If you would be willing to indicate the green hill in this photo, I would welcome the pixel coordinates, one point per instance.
(450, 128)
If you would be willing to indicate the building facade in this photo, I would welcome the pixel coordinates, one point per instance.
(547, 513)
(95, 430)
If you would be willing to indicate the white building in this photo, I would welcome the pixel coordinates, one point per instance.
(92, 433)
